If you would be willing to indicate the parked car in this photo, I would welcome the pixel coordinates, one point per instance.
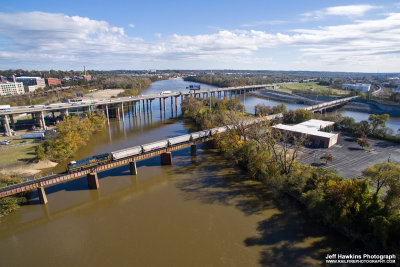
(5, 142)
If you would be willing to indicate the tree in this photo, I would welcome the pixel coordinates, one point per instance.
(385, 176)
(284, 148)
(327, 157)
(363, 143)
(378, 122)
(297, 116)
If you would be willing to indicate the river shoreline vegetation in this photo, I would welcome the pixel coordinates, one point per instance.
(364, 208)
(12, 203)
(71, 134)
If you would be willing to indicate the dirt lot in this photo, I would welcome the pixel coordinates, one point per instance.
(103, 94)
(348, 159)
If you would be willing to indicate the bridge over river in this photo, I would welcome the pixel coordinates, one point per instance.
(164, 152)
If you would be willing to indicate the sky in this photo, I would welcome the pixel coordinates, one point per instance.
(313, 35)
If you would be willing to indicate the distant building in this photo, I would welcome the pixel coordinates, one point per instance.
(31, 84)
(362, 87)
(11, 88)
(53, 81)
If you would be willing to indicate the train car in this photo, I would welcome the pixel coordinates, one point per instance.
(127, 152)
(221, 129)
(179, 139)
(88, 162)
(155, 145)
(201, 134)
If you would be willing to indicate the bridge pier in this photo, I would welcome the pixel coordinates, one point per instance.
(193, 150)
(172, 107)
(108, 115)
(93, 181)
(42, 121)
(6, 125)
(132, 167)
(123, 113)
(166, 158)
(12, 121)
(42, 195)
(64, 113)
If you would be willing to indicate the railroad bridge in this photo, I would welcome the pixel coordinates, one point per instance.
(164, 153)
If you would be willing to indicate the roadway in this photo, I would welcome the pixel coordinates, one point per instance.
(99, 102)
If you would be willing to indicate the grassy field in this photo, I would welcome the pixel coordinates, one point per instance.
(312, 88)
(17, 154)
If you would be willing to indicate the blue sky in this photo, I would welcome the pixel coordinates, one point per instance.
(361, 36)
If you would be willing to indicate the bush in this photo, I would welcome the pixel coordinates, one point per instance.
(297, 116)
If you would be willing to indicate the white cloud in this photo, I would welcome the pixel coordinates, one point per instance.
(348, 10)
(131, 25)
(158, 35)
(262, 23)
(57, 41)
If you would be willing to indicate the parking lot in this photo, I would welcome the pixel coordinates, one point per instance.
(349, 159)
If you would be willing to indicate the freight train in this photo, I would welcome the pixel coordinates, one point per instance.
(143, 149)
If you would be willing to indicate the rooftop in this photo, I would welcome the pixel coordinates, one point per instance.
(310, 127)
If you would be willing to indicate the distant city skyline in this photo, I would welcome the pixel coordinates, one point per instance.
(349, 36)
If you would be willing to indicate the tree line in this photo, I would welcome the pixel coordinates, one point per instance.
(71, 134)
(366, 207)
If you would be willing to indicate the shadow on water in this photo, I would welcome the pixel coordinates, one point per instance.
(285, 235)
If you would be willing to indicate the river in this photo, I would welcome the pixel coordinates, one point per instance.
(200, 211)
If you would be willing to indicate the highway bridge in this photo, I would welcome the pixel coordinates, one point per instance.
(133, 103)
(165, 153)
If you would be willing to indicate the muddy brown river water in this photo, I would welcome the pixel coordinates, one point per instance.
(201, 211)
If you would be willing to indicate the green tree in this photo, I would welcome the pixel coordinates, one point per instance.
(385, 176)
(378, 122)
(363, 143)
(327, 157)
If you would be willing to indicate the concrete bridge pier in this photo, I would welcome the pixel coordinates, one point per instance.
(193, 150)
(6, 125)
(93, 181)
(42, 121)
(108, 115)
(176, 105)
(132, 167)
(117, 115)
(165, 109)
(42, 195)
(151, 105)
(144, 107)
(166, 158)
(123, 113)
(12, 121)
(172, 107)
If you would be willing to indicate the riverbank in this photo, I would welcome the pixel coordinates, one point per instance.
(27, 169)
(359, 105)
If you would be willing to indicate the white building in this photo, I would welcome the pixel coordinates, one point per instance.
(31, 84)
(312, 130)
(362, 87)
(8, 88)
